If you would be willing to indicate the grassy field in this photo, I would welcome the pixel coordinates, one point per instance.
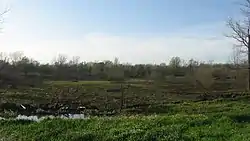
(220, 120)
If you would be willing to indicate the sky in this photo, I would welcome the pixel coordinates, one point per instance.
(135, 31)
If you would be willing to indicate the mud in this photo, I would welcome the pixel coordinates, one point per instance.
(42, 109)
(53, 109)
(70, 107)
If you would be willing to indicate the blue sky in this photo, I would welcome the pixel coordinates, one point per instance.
(100, 29)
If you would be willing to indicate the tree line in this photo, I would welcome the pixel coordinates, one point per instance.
(17, 64)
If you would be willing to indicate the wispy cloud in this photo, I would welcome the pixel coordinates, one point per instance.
(202, 42)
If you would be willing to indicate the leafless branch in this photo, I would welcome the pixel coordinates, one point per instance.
(3, 60)
(238, 33)
(4, 12)
(240, 29)
(1, 15)
(246, 4)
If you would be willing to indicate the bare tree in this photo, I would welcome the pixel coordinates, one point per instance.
(240, 32)
(116, 61)
(3, 60)
(15, 57)
(2, 64)
(4, 57)
(60, 60)
(75, 60)
(237, 58)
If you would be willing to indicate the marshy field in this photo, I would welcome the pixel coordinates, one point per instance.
(128, 110)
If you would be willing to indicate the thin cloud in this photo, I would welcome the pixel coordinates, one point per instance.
(203, 42)
(128, 49)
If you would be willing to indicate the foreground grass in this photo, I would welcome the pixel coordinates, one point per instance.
(177, 127)
(208, 121)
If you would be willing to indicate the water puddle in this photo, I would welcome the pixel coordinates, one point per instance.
(37, 118)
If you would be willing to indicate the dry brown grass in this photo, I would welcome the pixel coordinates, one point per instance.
(203, 76)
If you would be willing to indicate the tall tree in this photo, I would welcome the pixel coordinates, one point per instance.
(240, 31)
(1, 21)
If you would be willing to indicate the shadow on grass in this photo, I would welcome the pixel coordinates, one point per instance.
(150, 109)
(15, 122)
(241, 118)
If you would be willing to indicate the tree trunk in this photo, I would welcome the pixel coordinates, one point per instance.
(122, 98)
(248, 47)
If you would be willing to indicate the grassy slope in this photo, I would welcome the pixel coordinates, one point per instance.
(214, 120)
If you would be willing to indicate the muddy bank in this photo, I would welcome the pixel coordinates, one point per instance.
(53, 109)
(67, 107)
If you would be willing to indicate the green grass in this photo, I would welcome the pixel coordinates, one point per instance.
(206, 121)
